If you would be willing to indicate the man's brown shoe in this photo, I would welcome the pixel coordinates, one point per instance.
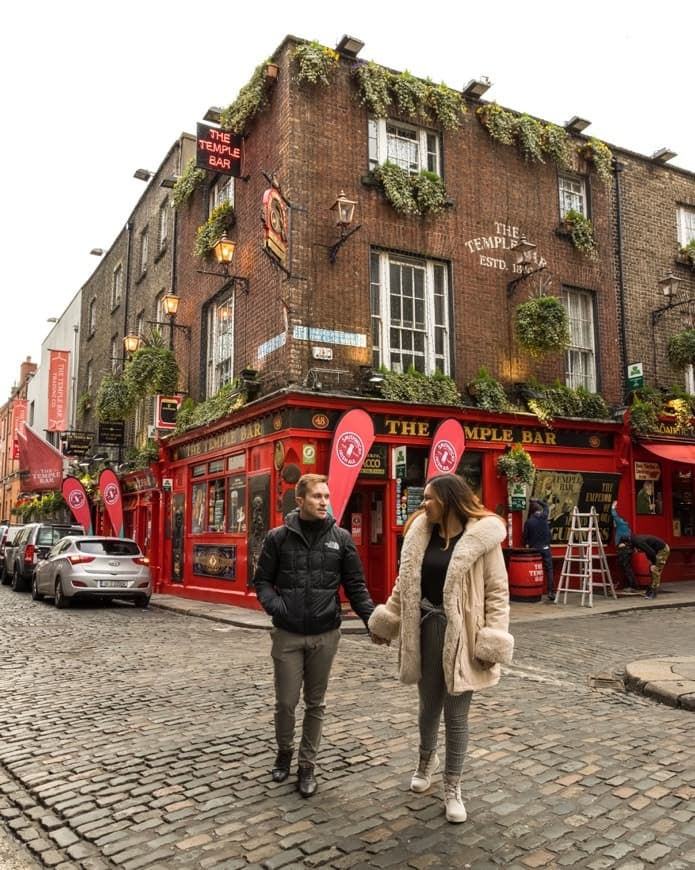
(281, 769)
(306, 784)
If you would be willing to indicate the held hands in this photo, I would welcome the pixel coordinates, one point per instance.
(380, 641)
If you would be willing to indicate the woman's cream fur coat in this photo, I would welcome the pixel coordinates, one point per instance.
(476, 596)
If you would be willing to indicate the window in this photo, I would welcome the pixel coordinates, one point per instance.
(410, 314)
(580, 359)
(92, 317)
(163, 223)
(220, 365)
(222, 191)
(115, 353)
(144, 252)
(412, 148)
(686, 225)
(140, 323)
(90, 376)
(116, 287)
(572, 189)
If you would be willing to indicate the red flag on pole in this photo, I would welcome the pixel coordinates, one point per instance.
(78, 502)
(448, 444)
(111, 493)
(352, 441)
(40, 464)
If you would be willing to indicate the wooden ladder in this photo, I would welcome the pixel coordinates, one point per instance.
(585, 558)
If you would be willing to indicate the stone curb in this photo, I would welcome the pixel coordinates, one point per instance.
(666, 680)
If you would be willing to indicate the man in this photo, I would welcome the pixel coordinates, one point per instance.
(657, 551)
(624, 550)
(301, 566)
(536, 536)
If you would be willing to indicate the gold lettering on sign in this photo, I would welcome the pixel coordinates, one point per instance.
(407, 427)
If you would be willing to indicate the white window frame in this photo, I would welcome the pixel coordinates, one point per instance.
(424, 338)
(572, 194)
(92, 317)
(144, 250)
(383, 133)
(115, 356)
(90, 376)
(164, 223)
(580, 357)
(220, 344)
(221, 190)
(686, 224)
(116, 286)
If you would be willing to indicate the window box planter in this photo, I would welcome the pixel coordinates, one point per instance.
(686, 258)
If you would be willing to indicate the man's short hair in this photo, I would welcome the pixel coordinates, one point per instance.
(625, 539)
(307, 482)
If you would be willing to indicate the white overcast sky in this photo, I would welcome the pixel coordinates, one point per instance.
(90, 91)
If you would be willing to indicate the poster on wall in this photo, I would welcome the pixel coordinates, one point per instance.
(649, 499)
(212, 560)
(237, 504)
(178, 504)
(199, 508)
(565, 490)
(259, 519)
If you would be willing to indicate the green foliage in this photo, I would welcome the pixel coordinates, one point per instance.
(488, 392)
(500, 124)
(600, 156)
(373, 87)
(411, 193)
(516, 464)
(84, 404)
(644, 411)
(688, 251)
(681, 349)
(144, 456)
(190, 179)
(208, 234)
(557, 145)
(409, 94)
(563, 401)
(152, 369)
(229, 398)
(530, 136)
(315, 63)
(49, 506)
(252, 99)
(114, 400)
(446, 105)
(581, 231)
(541, 326)
(413, 386)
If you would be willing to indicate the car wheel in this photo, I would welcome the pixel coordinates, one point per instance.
(4, 576)
(35, 594)
(17, 582)
(61, 602)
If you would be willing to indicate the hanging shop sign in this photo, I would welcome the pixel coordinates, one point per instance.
(112, 434)
(218, 150)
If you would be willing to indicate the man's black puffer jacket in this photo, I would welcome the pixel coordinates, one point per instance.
(297, 581)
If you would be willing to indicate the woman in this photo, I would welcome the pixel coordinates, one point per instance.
(450, 606)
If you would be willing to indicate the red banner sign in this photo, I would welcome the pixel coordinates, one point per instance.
(19, 416)
(78, 502)
(352, 441)
(111, 493)
(448, 444)
(40, 464)
(58, 390)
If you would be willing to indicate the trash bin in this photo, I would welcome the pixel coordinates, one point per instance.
(640, 568)
(526, 577)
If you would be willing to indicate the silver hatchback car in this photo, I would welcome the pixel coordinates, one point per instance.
(93, 566)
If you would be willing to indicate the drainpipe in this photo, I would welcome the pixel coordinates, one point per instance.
(617, 169)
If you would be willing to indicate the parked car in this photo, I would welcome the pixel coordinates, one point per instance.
(7, 534)
(93, 566)
(31, 544)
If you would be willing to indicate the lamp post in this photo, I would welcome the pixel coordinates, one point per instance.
(345, 211)
(669, 287)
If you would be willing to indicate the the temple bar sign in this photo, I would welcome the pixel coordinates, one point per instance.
(218, 150)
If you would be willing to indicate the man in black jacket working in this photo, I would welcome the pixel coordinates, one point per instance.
(537, 536)
(299, 573)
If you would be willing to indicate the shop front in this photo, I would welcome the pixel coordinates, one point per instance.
(234, 480)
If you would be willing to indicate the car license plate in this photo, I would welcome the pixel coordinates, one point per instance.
(112, 584)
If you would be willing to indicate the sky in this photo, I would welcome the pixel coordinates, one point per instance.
(92, 91)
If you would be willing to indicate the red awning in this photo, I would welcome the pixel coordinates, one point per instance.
(674, 452)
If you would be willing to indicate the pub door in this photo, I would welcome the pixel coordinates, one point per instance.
(364, 518)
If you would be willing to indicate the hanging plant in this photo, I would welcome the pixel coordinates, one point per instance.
(644, 414)
(488, 392)
(541, 326)
(84, 404)
(409, 94)
(681, 349)
(600, 156)
(191, 178)
(446, 105)
(411, 193)
(500, 124)
(229, 398)
(315, 63)
(208, 234)
(529, 137)
(252, 99)
(516, 465)
(557, 145)
(580, 231)
(144, 456)
(686, 254)
(151, 370)
(114, 400)
(373, 87)
(414, 386)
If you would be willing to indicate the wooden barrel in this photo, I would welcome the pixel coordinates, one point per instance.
(640, 568)
(526, 578)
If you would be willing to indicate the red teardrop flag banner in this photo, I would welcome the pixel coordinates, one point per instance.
(352, 441)
(448, 444)
(113, 501)
(78, 502)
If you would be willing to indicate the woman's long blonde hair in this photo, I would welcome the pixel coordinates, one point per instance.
(458, 498)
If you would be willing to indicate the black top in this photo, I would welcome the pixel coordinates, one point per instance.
(434, 567)
(649, 545)
(536, 529)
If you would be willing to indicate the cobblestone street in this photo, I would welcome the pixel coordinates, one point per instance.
(143, 739)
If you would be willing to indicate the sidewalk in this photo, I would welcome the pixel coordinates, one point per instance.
(668, 680)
